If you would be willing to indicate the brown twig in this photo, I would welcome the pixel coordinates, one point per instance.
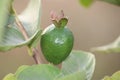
(23, 31)
(35, 56)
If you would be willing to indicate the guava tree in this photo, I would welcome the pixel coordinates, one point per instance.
(56, 41)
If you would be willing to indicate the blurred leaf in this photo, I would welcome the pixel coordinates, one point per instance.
(20, 69)
(9, 77)
(77, 62)
(30, 19)
(39, 72)
(86, 3)
(4, 11)
(107, 78)
(115, 76)
(74, 76)
(115, 2)
(110, 48)
(78, 66)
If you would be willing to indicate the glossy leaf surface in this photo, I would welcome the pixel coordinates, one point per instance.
(79, 62)
(39, 72)
(30, 18)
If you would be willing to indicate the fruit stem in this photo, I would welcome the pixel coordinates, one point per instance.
(59, 66)
(23, 31)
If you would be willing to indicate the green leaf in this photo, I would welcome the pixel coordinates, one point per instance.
(115, 76)
(30, 19)
(78, 66)
(75, 76)
(115, 2)
(107, 78)
(4, 5)
(86, 3)
(9, 77)
(39, 72)
(113, 47)
(20, 69)
(79, 62)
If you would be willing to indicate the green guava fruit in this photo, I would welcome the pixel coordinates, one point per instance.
(57, 41)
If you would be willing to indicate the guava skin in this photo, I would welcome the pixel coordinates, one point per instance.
(56, 43)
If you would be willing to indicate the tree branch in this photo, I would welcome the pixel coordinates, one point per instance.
(23, 31)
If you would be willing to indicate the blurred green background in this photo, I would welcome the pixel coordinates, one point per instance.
(94, 26)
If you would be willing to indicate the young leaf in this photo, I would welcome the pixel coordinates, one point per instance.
(77, 62)
(39, 72)
(9, 77)
(115, 2)
(30, 18)
(115, 76)
(113, 47)
(86, 3)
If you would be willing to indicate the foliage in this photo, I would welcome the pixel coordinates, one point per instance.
(86, 3)
(113, 47)
(79, 65)
(115, 76)
(115, 2)
(12, 37)
(4, 5)
(79, 62)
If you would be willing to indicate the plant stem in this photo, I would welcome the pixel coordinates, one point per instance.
(23, 31)
(35, 56)
(21, 28)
